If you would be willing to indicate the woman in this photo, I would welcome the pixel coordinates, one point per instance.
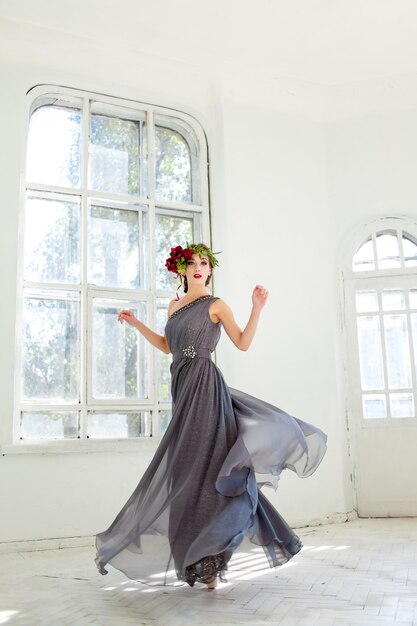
(201, 490)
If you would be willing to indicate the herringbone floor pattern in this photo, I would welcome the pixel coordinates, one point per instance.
(361, 573)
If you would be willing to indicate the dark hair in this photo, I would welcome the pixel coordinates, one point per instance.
(185, 282)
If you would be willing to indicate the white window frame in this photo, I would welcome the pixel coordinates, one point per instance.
(377, 279)
(150, 295)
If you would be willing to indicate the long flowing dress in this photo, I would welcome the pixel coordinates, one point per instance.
(199, 497)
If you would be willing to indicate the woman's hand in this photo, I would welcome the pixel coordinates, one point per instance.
(259, 297)
(221, 312)
(127, 316)
(159, 341)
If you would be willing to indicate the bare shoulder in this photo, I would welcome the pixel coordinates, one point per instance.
(218, 310)
(172, 307)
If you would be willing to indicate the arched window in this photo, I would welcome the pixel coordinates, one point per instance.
(382, 313)
(111, 185)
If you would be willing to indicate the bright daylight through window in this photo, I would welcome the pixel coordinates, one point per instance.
(386, 321)
(110, 187)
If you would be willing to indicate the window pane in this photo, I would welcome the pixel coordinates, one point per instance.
(114, 247)
(163, 360)
(164, 420)
(414, 332)
(413, 298)
(398, 355)
(387, 250)
(116, 163)
(170, 232)
(402, 404)
(49, 425)
(393, 299)
(370, 352)
(410, 251)
(119, 353)
(164, 379)
(172, 166)
(119, 425)
(54, 146)
(366, 301)
(51, 335)
(363, 260)
(52, 239)
(374, 406)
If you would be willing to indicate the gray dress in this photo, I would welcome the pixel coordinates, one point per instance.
(199, 497)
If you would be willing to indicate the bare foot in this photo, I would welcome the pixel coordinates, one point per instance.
(213, 584)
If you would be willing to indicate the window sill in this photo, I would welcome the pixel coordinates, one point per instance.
(80, 446)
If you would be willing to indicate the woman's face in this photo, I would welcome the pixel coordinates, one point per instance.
(198, 270)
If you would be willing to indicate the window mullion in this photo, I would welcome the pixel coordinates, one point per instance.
(376, 260)
(89, 348)
(117, 198)
(411, 348)
(120, 291)
(30, 285)
(85, 330)
(29, 405)
(193, 208)
(400, 248)
(141, 248)
(384, 352)
(53, 189)
(151, 192)
(150, 130)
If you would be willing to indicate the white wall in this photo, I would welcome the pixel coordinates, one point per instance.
(372, 173)
(271, 218)
(278, 233)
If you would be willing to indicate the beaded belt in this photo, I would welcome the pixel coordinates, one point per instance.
(189, 352)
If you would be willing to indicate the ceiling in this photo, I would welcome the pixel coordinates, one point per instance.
(324, 42)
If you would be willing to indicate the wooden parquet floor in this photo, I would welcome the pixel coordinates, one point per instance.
(360, 573)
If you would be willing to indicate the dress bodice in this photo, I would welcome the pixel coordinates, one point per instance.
(191, 326)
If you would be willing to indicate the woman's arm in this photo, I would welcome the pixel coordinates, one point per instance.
(223, 313)
(159, 341)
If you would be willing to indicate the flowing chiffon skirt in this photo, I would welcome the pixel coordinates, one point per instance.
(199, 497)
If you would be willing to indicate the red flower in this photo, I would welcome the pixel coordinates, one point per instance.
(171, 265)
(177, 255)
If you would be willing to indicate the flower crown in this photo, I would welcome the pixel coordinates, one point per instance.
(177, 261)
